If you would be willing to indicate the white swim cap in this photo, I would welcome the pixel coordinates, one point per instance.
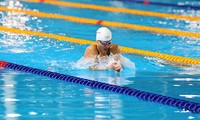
(103, 34)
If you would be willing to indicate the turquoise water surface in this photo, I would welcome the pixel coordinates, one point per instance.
(27, 96)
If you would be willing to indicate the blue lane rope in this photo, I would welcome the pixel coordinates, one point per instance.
(146, 96)
(162, 4)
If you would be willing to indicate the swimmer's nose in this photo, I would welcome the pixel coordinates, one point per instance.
(106, 45)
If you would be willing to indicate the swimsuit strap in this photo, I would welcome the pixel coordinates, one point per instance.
(97, 49)
(108, 53)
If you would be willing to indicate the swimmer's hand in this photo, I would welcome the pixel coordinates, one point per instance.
(115, 66)
(96, 68)
(92, 68)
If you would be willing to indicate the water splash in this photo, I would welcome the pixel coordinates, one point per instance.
(85, 63)
(16, 43)
(178, 68)
(191, 70)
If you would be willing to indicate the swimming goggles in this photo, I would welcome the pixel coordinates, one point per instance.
(105, 42)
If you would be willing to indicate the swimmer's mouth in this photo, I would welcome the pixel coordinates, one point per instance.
(105, 47)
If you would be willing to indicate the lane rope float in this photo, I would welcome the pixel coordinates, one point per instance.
(106, 23)
(148, 2)
(116, 9)
(176, 59)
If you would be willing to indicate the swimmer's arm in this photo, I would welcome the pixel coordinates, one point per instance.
(96, 67)
(114, 49)
(91, 53)
(114, 66)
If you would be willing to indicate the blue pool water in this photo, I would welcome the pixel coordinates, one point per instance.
(27, 96)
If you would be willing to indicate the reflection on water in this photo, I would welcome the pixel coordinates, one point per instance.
(9, 96)
(105, 106)
(109, 77)
(44, 97)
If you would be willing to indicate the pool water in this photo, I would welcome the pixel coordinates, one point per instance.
(28, 96)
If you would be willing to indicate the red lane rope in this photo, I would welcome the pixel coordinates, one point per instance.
(99, 22)
(3, 64)
(42, 0)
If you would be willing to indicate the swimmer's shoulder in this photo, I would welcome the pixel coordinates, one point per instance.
(114, 48)
(91, 48)
(91, 51)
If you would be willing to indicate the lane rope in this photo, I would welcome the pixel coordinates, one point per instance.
(105, 23)
(115, 9)
(142, 95)
(148, 2)
(176, 59)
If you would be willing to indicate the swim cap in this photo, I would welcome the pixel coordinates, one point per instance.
(103, 34)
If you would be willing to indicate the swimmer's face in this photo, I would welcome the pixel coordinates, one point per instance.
(104, 44)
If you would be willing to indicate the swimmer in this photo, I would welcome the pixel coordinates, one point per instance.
(102, 50)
